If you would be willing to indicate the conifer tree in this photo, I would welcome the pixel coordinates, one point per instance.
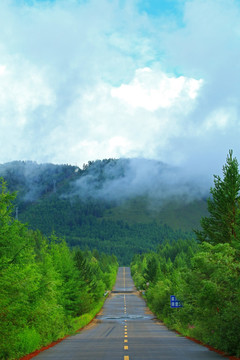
(223, 223)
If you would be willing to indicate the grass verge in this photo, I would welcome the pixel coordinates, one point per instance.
(77, 325)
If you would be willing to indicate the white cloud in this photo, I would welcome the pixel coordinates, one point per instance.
(101, 125)
(220, 119)
(152, 90)
(80, 81)
(23, 88)
(2, 70)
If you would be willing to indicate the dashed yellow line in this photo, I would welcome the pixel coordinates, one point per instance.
(126, 357)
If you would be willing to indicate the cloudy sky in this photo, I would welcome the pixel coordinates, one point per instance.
(91, 79)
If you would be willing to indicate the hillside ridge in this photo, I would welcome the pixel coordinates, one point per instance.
(99, 207)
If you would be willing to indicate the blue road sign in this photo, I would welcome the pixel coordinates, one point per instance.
(174, 302)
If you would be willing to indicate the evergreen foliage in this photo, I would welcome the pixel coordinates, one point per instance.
(223, 222)
(83, 224)
(43, 289)
(204, 276)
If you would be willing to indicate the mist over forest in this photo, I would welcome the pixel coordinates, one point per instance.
(108, 180)
(118, 206)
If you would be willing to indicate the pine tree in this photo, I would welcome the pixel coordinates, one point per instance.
(223, 223)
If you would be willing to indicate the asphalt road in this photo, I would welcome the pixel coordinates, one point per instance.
(126, 330)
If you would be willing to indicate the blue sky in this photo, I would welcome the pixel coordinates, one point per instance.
(160, 7)
(86, 80)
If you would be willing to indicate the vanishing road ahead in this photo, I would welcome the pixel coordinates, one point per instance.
(126, 330)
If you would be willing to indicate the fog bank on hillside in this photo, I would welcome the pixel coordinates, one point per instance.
(119, 180)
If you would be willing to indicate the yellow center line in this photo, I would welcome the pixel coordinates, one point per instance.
(126, 357)
(124, 280)
(126, 340)
(125, 347)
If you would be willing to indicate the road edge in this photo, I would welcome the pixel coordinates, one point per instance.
(188, 337)
(54, 343)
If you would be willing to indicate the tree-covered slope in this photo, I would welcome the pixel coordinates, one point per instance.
(121, 207)
(86, 226)
(174, 212)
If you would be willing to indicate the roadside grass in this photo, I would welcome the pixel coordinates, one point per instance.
(80, 322)
(30, 340)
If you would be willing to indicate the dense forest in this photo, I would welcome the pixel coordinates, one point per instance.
(54, 275)
(84, 225)
(202, 274)
(107, 205)
(47, 290)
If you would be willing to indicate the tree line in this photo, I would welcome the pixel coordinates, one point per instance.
(203, 274)
(47, 290)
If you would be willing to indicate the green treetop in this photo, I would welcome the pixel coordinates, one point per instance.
(223, 223)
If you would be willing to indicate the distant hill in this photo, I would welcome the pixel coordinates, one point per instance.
(123, 206)
(176, 214)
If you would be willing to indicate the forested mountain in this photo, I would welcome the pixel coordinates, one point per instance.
(121, 207)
